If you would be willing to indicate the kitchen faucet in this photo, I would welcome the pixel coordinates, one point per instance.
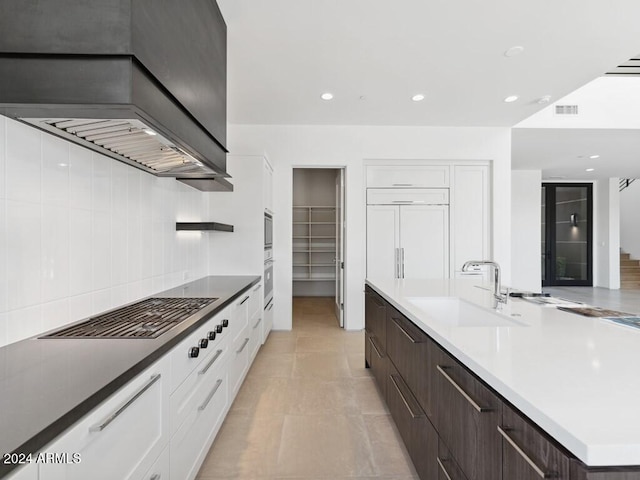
(498, 296)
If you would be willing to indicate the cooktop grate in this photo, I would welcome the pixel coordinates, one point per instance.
(148, 318)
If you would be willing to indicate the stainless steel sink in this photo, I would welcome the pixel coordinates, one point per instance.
(456, 312)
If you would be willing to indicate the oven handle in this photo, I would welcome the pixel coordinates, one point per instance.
(270, 302)
(269, 262)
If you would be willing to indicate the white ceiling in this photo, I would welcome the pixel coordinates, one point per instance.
(282, 54)
(556, 152)
(373, 55)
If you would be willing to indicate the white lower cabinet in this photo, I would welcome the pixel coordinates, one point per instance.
(120, 439)
(161, 425)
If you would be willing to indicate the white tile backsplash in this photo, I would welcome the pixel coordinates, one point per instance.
(23, 162)
(80, 168)
(24, 253)
(3, 148)
(81, 233)
(55, 253)
(55, 171)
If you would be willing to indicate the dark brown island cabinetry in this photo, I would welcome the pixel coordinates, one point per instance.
(454, 425)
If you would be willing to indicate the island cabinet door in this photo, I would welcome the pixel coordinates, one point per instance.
(527, 453)
(411, 352)
(467, 415)
(416, 431)
(378, 364)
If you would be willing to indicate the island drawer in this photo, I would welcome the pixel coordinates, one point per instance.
(466, 416)
(375, 317)
(527, 453)
(411, 352)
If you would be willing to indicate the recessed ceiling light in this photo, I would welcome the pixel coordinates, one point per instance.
(594, 156)
(513, 51)
(418, 97)
(589, 169)
(511, 98)
(544, 99)
(326, 96)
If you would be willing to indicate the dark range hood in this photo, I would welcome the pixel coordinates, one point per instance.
(142, 81)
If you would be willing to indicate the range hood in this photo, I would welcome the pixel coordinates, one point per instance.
(141, 81)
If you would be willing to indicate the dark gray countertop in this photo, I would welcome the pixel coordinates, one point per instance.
(46, 385)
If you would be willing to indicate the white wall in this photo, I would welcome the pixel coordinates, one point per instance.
(81, 233)
(337, 146)
(606, 233)
(526, 213)
(629, 224)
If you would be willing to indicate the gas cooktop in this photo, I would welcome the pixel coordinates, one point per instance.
(148, 318)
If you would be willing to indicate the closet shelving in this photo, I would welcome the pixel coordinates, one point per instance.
(314, 243)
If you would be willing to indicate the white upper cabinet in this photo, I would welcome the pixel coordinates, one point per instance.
(408, 176)
(470, 218)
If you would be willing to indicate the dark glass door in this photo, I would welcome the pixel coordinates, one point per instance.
(567, 213)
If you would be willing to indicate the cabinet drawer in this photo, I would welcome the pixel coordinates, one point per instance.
(192, 392)
(191, 442)
(378, 365)
(239, 361)
(407, 196)
(466, 416)
(448, 469)
(255, 300)
(182, 364)
(407, 176)
(416, 431)
(527, 453)
(375, 317)
(255, 338)
(410, 351)
(160, 469)
(123, 437)
(239, 314)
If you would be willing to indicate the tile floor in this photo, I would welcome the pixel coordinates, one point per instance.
(308, 409)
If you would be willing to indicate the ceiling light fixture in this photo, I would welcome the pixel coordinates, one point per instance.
(418, 97)
(593, 157)
(148, 131)
(326, 96)
(513, 51)
(589, 169)
(545, 99)
(511, 98)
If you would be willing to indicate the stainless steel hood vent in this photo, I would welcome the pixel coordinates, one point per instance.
(109, 75)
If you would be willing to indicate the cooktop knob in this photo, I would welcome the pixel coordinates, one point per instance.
(219, 328)
(211, 335)
(203, 343)
(194, 352)
(225, 323)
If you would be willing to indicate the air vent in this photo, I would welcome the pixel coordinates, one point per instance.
(566, 109)
(628, 68)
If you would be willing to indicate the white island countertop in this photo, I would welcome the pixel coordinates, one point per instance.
(576, 377)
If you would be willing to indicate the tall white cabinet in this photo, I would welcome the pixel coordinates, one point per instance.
(425, 220)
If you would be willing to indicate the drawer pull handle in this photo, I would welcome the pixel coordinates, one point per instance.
(444, 470)
(105, 423)
(244, 300)
(257, 323)
(155, 476)
(477, 407)
(271, 306)
(375, 348)
(402, 184)
(257, 288)
(215, 357)
(541, 473)
(407, 334)
(210, 396)
(246, 340)
(406, 403)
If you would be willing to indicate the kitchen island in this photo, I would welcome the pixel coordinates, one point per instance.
(48, 385)
(569, 378)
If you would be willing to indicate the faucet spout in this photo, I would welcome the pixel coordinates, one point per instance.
(497, 289)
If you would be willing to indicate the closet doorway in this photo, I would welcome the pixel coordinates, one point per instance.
(318, 235)
(567, 234)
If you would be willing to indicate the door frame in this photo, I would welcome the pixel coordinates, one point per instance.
(549, 217)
